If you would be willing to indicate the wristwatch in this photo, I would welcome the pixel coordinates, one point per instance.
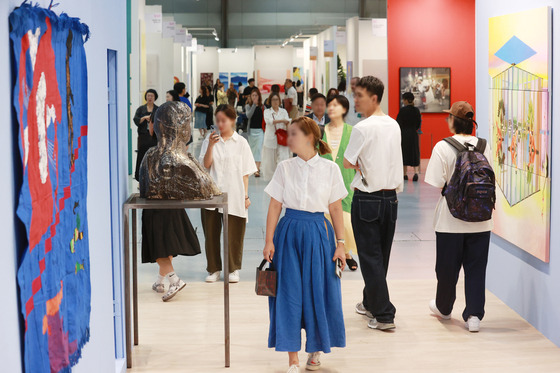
(342, 240)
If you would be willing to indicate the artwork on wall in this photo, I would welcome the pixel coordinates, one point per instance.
(519, 66)
(297, 75)
(237, 78)
(224, 79)
(207, 79)
(51, 105)
(431, 87)
(266, 78)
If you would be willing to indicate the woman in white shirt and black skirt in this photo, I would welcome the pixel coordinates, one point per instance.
(304, 248)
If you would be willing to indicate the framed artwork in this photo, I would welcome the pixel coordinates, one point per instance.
(237, 78)
(268, 77)
(224, 79)
(519, 66)
(207, 78)
(50, 98)
(431, 87)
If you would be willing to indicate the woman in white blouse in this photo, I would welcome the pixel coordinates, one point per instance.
(230, 162)
(273, 153)
(303, 249)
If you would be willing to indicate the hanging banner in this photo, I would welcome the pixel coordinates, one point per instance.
(50, 98)
(168, 29)
(379, 27)
(154, 23)
(340, 37)
(180, 35)
(188, 40)
(328, 48)
(313, 53)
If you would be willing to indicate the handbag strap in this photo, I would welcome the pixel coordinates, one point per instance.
(263, 264)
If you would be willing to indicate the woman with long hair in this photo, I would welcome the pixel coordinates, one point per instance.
(337, 134)
(304, 248)
(273, 153)
(255, 113)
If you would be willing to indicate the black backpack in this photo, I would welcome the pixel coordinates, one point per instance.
(471, 192)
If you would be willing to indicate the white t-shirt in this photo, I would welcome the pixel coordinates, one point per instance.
(270, 132)
(292, 93)
(307, 186)
(375, 144)
(439, 171)
(231, 160)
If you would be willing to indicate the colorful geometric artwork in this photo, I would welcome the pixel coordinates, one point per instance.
(224, 78)
(50, 100)
(237, 78)
(520, 70)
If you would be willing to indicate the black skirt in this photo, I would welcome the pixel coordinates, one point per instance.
(167, 233)
(410, 148)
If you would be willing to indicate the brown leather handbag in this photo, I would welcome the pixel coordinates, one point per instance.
(266, 280)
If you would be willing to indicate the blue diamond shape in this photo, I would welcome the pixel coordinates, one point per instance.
(515, 51)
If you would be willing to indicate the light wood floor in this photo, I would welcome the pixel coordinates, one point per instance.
(186, 335)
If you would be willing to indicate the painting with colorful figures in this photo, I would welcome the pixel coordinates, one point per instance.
(520, 71)
(50, 100)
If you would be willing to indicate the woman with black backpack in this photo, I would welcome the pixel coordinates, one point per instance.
(463, 218)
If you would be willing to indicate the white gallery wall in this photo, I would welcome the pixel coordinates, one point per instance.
(368, 51)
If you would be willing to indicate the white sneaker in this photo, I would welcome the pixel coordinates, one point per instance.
(293, 369)
(213, 277)
(473, 324)
(437, 312)
(158, 287)
(374, 324)
(173, 290)
(360, 309)
(313, 362)
(234, 276)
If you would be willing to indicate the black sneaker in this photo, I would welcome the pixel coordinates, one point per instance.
(406, 177)
(415, 178)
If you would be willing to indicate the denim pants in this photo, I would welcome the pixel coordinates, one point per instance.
(374, 217)
(467, 250)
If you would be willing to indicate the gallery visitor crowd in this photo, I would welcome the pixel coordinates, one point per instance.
(335, 165)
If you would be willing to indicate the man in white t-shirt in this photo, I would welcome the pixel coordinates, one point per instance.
(374, 150)
(353, 117)
(458, 243)
(292, 98)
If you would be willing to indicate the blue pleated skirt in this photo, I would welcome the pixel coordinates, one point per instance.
(308, 295)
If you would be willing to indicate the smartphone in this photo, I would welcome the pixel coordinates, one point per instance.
(216, 129)
(339, 268)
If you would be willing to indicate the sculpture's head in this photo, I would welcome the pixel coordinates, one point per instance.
(171, 122)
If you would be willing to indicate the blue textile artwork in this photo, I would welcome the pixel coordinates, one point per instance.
(50, 99)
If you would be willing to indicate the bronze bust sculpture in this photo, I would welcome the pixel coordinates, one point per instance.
(168, 171)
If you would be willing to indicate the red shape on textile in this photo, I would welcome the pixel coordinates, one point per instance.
(41, 192)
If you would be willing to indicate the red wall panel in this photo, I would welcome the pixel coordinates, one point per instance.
(432, 33)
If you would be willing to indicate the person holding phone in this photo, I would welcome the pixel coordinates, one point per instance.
(229, 160)
(304, 248)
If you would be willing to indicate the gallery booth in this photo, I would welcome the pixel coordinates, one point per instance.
(75, 72)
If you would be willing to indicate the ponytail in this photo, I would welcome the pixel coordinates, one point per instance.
(323, 147)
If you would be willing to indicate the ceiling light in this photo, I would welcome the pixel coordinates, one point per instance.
(291, 39)
(219, 50)
(217, 38)
(214, 33)
(235, 50)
